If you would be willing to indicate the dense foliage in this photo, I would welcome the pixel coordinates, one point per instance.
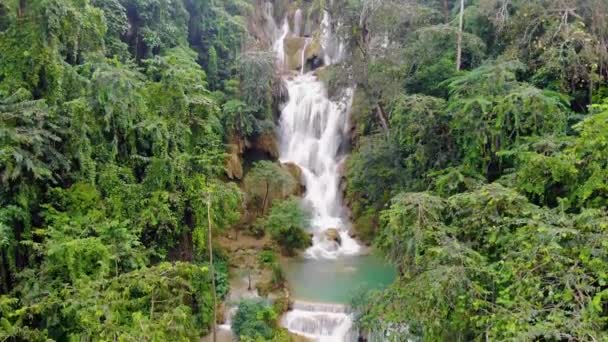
(484, 183)
(286, 224)
(254, 320)
(112, 134)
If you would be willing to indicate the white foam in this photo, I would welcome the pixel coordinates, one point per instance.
(320, 321)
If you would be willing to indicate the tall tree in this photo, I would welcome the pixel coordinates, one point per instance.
(459, 43)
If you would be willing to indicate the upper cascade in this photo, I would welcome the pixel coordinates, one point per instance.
(312, 131)
(302, 50)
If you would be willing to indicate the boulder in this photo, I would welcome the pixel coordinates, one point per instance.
(296, 172)
(332, 234)
(293, 170)
(293, 52)
(313, 49)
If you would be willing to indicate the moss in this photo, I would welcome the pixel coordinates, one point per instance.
(314, 49)
(281, 304)
(293, 51)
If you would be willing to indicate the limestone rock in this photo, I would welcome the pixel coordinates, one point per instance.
(293, 52)
(333, 234)
(267, 143)
(313, 49)
(296, 172)
(293, 169)
(233, 166)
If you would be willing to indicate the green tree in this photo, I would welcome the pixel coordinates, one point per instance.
(267, 182)
(286, 222)
(254, 319)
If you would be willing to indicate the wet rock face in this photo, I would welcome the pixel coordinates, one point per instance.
(293, 52)
(267, 143)
(302, 49)
(332, 234)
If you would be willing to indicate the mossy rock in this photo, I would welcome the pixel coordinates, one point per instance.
(264, 288)
(281, 304)
(296, 172)
(233, 166)
(314, 49)
(267, 143)
(293, 51)
(332, 234)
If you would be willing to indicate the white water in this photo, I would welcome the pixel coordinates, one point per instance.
(278, 45)
(312, 131)
(303, 59)
(333, 47)
(320, 321)
(297, 23)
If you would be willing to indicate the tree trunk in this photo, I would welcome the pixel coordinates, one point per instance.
(459, 46)
(265, 199)
(21, 9)
(446, 11)
(211, 268)
(5, 273)
(382, 117)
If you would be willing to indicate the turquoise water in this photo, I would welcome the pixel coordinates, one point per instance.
(336, 281)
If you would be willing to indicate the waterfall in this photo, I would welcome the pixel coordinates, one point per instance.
(332, 46)
(297, 23)
(312, 133)
(278, 45)
(320, 321)
(303, 67)
(312, 130)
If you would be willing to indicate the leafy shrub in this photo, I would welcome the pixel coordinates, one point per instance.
(285, 223)
(267, 257)
(254, 319)
(265, 183)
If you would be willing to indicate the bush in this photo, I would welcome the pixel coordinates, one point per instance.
(265, 183)
(254, 320)
(278, 276)
(267, 257)
(285, 223)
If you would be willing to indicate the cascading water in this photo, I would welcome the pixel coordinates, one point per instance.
(303, 59)
(278, 45)
(297, 23)
(313, 130)
(333, 47)
(323, 322)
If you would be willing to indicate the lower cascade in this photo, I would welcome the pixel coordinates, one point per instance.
(320, 321)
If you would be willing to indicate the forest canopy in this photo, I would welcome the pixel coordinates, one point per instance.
(112, 141)
(479, 165)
